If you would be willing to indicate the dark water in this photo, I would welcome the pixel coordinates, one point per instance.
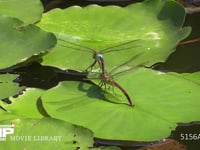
(186, 58)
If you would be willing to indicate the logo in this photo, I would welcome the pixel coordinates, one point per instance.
(5, 130)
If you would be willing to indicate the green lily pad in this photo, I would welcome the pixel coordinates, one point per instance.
(29, 12)
(20, 43)
(194, 77)
(46, 133)
(161, 101)
(156, 26)
(6, 82)
(21, 106)
(106, 148)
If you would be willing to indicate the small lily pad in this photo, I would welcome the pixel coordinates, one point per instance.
(22, 105)
(20, 43)
(29, 12)
(6, 82)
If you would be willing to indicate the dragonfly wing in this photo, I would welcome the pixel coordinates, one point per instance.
(127, 65)
(122, 46)
(76, 46)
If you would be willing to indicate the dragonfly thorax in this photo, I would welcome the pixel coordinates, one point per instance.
(106, 78)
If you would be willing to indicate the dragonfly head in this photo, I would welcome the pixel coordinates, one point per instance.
(97, 56)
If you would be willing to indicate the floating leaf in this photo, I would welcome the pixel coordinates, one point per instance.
(20, 43)
(195, 77)
(32, 133)
(156, 33)
(106, 148)
(29, 12)
(7, 86)
(161, 101)
(22, 105)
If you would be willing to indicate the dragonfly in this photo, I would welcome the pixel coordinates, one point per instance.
(98, 54)
(107, 78)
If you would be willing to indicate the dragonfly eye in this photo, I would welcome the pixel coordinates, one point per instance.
(99, 56)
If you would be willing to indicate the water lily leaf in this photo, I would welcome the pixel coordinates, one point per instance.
(22, 105)
(5, 116)
(6, 82)
(20, 43)
(156, 33)
(32, 133)
(106, 148)
(161, 101)
(28, 12)
(195, 77)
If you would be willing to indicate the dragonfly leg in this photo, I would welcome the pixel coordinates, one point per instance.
(101, 83)
(105, 85)
(89, 69)
(113, 90)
